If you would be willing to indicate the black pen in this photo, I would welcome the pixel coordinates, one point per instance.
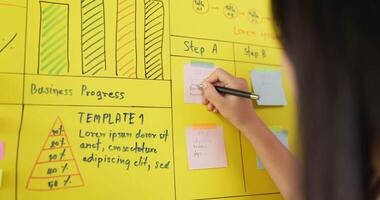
(239, 93)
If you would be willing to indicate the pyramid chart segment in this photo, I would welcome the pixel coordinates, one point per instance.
(56, 167)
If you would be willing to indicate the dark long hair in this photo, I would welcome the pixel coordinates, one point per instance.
(334, 46)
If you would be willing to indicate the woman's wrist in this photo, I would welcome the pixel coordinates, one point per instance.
(249, 124)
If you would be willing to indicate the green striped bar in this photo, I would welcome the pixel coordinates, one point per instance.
(54, 37)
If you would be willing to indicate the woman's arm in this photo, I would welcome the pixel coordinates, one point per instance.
(279, 162)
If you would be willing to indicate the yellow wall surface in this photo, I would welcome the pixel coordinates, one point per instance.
(84, 82)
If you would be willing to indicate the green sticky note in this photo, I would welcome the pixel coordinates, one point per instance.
(276, 129)
(202, 64)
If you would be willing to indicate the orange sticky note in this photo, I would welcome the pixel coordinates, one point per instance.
(205, 147)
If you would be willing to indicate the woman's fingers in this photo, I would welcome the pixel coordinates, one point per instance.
(219, 75)
(219, 84)
(210, 107)
(209, 92)
(204, 100)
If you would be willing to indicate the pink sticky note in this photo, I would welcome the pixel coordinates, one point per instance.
(2, 146)
(205, 147)
(193, 76)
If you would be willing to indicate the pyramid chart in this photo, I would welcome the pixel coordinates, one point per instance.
(56, 167)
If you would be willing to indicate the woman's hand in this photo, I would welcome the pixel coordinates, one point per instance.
(239, 111)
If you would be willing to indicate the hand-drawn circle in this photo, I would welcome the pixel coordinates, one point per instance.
(254, 16)
(201, 6)
(230, 11)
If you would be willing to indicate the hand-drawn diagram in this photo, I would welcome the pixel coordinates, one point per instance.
(55, 167)
(230, 11)
(126, 56)
(194, 88)
(153, 37)
(54, 37)
(7, 43)
(93, 37)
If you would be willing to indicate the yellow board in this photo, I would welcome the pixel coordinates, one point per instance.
(92, 103)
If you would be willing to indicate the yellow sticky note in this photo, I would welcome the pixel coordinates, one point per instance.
(1, 178)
